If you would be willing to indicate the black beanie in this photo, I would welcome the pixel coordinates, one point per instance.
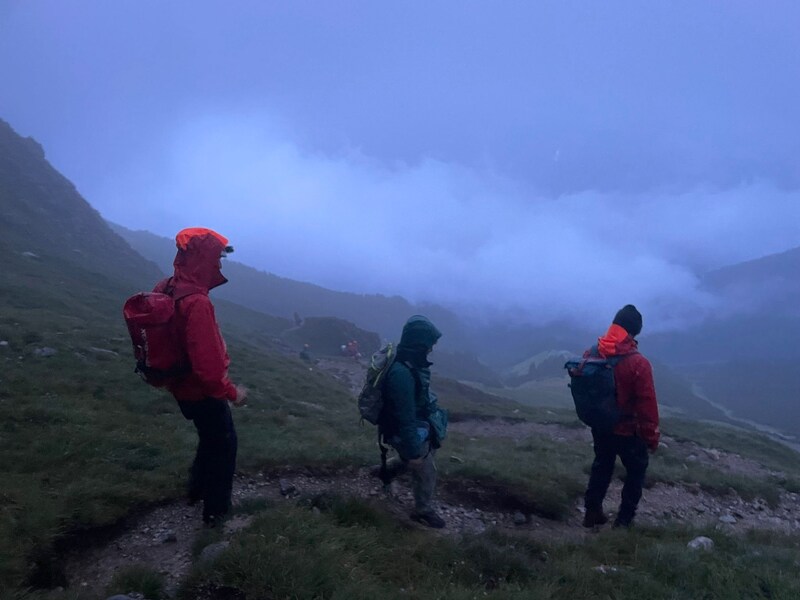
(629, 319)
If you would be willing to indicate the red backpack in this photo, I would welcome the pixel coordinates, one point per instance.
(160, 357)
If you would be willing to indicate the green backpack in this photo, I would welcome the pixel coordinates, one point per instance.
(370, 400)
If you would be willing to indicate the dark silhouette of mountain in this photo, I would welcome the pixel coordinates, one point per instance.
(744, 355)
(283, 297)
(769, 273)
(44, 216)
(456, 355)
(60, 256)
(326, 335)
(757, 315)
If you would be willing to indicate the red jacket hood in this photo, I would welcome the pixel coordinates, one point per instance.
(198, 266)
(617, 341)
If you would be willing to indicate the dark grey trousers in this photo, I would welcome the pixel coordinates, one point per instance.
(423, 477)
(633, 453)
(211, 475)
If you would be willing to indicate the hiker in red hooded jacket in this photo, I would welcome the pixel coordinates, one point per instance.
(204, 393)
(635, 434)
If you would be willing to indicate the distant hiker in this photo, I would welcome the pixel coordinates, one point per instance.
(636, 431)
(305, 354)
(203, 393)
(298, 320)
(351, 349)
(411, 420)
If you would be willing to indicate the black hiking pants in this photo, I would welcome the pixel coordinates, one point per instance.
(211, 474)
(632, 451)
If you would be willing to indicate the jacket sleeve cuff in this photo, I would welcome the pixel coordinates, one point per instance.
(652, 439)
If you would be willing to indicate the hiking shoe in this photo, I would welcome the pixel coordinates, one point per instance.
(375, 472)
(594, 516)
(622, 522)
(429, 518)
(212, 521)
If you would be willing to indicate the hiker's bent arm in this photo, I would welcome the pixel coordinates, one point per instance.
(647, 408)
(206, 351)
(400, 387)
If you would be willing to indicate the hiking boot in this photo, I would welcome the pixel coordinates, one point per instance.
(375, 471)
(213, 521)
(622, 522)
(594, 516)
(193, 497)
(429, 518)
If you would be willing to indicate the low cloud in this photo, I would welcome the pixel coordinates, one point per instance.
(441, 232)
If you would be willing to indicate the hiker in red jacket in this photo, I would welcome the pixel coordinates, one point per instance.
(635, 434)
(204, 393)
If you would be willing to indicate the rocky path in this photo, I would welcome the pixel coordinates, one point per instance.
(163, 538)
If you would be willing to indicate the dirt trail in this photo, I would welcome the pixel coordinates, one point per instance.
(163, 538)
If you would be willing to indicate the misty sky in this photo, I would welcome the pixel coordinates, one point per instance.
(553, 158)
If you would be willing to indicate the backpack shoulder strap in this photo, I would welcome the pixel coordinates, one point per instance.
(414, 374)
(618, 358)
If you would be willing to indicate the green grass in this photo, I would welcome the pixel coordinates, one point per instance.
(140, 579)
(769, 453)
(353, 550)
(535, 475)
(549, 393)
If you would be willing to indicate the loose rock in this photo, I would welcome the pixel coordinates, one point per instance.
(45, 352)
(102, 351)
(213, 551)
(286, 487)
(169, 537)
(606, 569)
(701, 543)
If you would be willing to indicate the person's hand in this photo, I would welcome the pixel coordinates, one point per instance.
(415, 462)
(241, 395)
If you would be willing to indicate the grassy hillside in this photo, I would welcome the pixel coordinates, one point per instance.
(84, 443)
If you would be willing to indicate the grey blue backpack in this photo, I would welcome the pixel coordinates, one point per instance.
(594, 390)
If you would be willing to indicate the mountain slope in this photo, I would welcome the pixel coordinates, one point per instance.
(761, 282)
(283, 297)
(42, 213)
(744, 356)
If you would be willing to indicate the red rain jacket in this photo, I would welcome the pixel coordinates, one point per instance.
(198, 270)
(636, 392)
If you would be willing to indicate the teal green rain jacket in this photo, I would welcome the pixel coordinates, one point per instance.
(408, 398)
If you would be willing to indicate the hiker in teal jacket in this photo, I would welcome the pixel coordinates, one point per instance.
(411, 421)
